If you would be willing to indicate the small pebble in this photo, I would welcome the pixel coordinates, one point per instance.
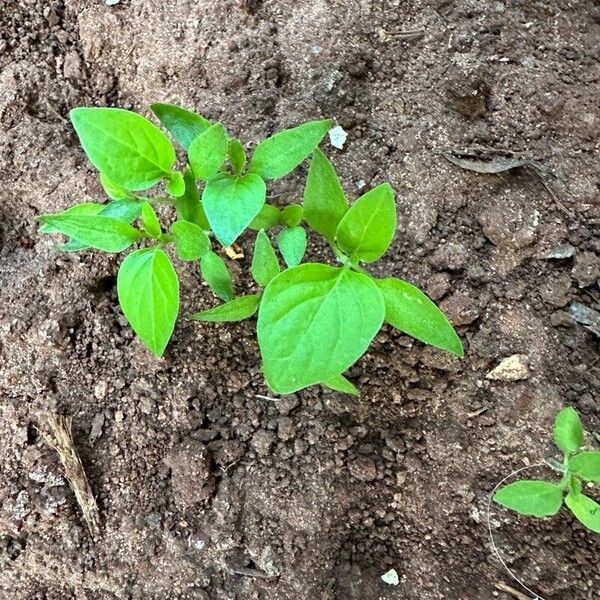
(337, 137)
(513, 368)
(391, 577)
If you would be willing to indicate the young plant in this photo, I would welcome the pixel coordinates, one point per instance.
(543, 498)
(314, 320)
(132, 155)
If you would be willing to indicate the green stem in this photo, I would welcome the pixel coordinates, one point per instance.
(166, 238)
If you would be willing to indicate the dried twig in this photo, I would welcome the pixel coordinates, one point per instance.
(487, 160)
(412, 34)
(550, 191)
(509, 590)
(62, 442)
(248, 572)
(261, 397)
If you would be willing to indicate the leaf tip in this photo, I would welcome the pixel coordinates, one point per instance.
(76, 113)
(457, 348)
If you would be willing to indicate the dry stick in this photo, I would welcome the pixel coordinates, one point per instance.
(551, 192)
(509, 590)
(489, 523)
(246, 572)
(261, 397)
(62, 442)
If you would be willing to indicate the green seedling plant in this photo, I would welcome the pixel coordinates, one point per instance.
(218, 192)
(539, 498)
(314, 320)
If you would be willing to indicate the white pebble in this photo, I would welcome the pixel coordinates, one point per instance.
(337, 137)
(391, 577)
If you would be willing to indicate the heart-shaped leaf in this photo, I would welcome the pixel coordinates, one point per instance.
(280, 154)
(237, 309)
(231, 202)
(408, 309)
(314, 322)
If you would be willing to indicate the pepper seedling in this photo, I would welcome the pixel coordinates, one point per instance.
(132, 155)
(314, 320)
(540, 498)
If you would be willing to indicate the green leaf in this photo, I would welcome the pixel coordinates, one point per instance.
(585, 509)
(237, 155)
(586, 465)
(176, 185)
(150, 221)
(189, 208)
(148, 291)
(237, 309)
(568, 430)
(129, 150)
(408, 309)
(231, 202)
(292, 245)
(265, 265)
(340, 384)
(191, 241)
(103, 233)
(267, 217)
(184, 125)
(531, 497)
(208, 151)
(366, 230)
(216, 274)
(291, 215)
(114, 191)
(324, 201)
(85, 208)
(280, 154)
(314, 322)
(126, 210)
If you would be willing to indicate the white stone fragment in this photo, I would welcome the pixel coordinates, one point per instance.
(513, 368)
(391, 577)
(337, 137)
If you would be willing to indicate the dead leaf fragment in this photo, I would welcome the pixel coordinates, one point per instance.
(479, 164)
(61, 440)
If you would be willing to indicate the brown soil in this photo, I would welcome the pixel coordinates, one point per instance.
(205, 490)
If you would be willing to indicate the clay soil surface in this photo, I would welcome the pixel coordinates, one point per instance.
(207, 491)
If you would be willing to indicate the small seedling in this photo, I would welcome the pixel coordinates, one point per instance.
(314, 320)
(132, 154)
(543, 498)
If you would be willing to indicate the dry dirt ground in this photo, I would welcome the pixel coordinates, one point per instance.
(205, 490)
